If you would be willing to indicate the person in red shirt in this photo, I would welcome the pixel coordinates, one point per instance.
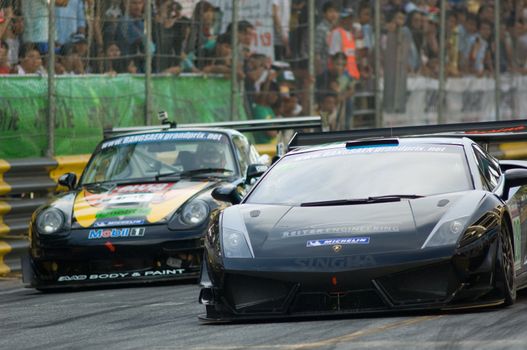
(4, 66)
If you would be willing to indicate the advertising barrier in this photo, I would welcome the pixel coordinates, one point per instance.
(86, 105)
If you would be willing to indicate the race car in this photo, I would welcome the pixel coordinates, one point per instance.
(140, 208)
(384, 223)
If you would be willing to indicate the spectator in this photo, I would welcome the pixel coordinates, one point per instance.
(471, 31)
(341, 39)
(111, 13)
(220, 60)
(131, 28)
(365, 48)
(261, 109)
(202, 33)
(505, 50)
(322, 32)
(413, 33)
(168, 35)
(298, 36)
(337, 80)
(6, 14)
(520, 40)
(70, 20)
(13, 38)
(70, 62)
(328, 110)
(479, 57)
(452, 44)
(395, 63)
(36, 19)
(113, 62)
(281, 17)
(4, 64)
(246, 35)
(257, 74)
(30, 60)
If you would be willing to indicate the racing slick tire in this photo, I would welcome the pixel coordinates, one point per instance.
(505, 276)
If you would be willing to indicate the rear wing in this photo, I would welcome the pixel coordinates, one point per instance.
(312, 122)
(481, 132)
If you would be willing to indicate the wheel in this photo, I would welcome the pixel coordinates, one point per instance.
(505, 279)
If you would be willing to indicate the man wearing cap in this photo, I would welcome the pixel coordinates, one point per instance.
(341, 40)
(70, 19)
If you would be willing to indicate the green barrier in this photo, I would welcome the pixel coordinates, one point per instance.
(88, 104)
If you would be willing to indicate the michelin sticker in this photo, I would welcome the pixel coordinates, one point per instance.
(342, 241)
(121, 275)
(119, 223)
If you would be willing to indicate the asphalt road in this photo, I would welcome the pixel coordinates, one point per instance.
(165, 317)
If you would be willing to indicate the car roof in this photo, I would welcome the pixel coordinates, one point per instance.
(459, 141)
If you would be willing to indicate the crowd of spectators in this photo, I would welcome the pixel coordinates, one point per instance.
(107, 37)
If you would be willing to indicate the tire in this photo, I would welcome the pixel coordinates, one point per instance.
(505, 275)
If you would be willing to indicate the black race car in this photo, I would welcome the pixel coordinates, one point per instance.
(139, 210)
(371, 225)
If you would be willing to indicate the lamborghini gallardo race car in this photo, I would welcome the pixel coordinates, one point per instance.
(371, 225)
(140, 208)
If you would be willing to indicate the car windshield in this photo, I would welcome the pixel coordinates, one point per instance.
(361, 173)
(161, 155)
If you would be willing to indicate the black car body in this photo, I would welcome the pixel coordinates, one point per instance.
(371, 225)
(139, 211)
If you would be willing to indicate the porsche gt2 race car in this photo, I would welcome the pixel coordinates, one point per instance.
(139, 210)
(371, 225)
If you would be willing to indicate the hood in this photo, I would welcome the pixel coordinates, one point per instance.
(285, 231)
(132, 204)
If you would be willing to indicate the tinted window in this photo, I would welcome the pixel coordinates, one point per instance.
(363, 172)
(146, 155)
(488, 166)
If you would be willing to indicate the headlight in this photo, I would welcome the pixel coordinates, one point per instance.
(235, 240)
(446, 232)
(195, 212)
(50, 221)
(234, 244)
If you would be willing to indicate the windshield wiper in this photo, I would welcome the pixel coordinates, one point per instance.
(194, 172)
(375, 199)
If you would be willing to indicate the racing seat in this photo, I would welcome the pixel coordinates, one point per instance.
(187, 160)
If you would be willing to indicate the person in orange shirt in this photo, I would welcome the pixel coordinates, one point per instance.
(341, 39)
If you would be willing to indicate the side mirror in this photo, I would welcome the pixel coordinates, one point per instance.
(513, 178)
(255, 171)
(227, 193)
(69, 180)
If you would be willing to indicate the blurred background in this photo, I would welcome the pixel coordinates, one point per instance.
(71, 68)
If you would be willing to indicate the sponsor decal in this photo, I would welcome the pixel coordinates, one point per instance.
(131, 198)
(117, 212)
(142, 188)
(119, 223)
(335, 262)
(121, 275)
(108, 233)
(137, 232)
(493, 131)
(340, 241)
(163, 137)
(368, 150)
(340, 229)
(116, 233)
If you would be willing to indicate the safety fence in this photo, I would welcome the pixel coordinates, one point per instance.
(26, 184)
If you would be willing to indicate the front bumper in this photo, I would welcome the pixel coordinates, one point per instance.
(427, 279)
(74, 260)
